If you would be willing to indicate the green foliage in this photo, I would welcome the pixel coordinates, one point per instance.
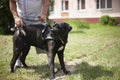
(5, 17)
(76, 24)
(112, 21)
(107, 20)
(104, 19)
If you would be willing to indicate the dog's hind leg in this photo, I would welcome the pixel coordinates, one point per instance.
(17, 49)
(14, 58)
(24, 54)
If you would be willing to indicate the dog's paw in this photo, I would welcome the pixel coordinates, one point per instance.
(52, 78)
(25, 66)
(11, 71)
(67, 72)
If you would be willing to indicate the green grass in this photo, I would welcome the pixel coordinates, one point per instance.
(99, 47)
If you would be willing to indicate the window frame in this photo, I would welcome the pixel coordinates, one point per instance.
(99, 5)
(63, 6)
(79, 5)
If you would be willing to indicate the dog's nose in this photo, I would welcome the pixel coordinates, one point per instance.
(70, 28)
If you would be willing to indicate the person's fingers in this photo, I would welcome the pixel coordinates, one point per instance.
(42, 18)
(18, 22)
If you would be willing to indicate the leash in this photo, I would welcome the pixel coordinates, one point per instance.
(46, 28)
(43, 31)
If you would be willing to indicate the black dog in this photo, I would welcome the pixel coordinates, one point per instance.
(54, 42)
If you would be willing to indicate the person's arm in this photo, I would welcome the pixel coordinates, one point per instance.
(43, 15)
(13, 9)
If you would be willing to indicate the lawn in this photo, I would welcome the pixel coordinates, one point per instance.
(91, 54)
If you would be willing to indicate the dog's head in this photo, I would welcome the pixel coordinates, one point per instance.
(60, 31)
(61, 28)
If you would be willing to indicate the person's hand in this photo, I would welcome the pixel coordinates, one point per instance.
(42, 18)
(18, 22)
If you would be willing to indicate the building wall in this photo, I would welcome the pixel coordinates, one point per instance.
(91, 13)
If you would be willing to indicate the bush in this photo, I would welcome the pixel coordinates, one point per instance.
(107, 20)
(112, 22)
(104, 19)
(6, 17)
(76, 24)
(83, 24)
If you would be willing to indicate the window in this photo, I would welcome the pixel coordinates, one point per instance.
(51, 8)
(81, 4)
(109, 3)
(65, 5)
(104, 4)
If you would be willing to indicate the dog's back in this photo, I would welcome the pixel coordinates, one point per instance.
(31, 35)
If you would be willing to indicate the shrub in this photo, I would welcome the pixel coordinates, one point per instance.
(83, 24)
(104, 19)
(107, 20)
(112, 21)
(76, 24)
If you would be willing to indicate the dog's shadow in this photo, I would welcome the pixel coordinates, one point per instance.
(44, 72)
(41, 70)
(89, 72)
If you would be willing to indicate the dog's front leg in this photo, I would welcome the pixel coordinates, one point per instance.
(51, 65)
(51, 57)
(61, 60)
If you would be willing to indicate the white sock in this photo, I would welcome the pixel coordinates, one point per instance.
(18, 63)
